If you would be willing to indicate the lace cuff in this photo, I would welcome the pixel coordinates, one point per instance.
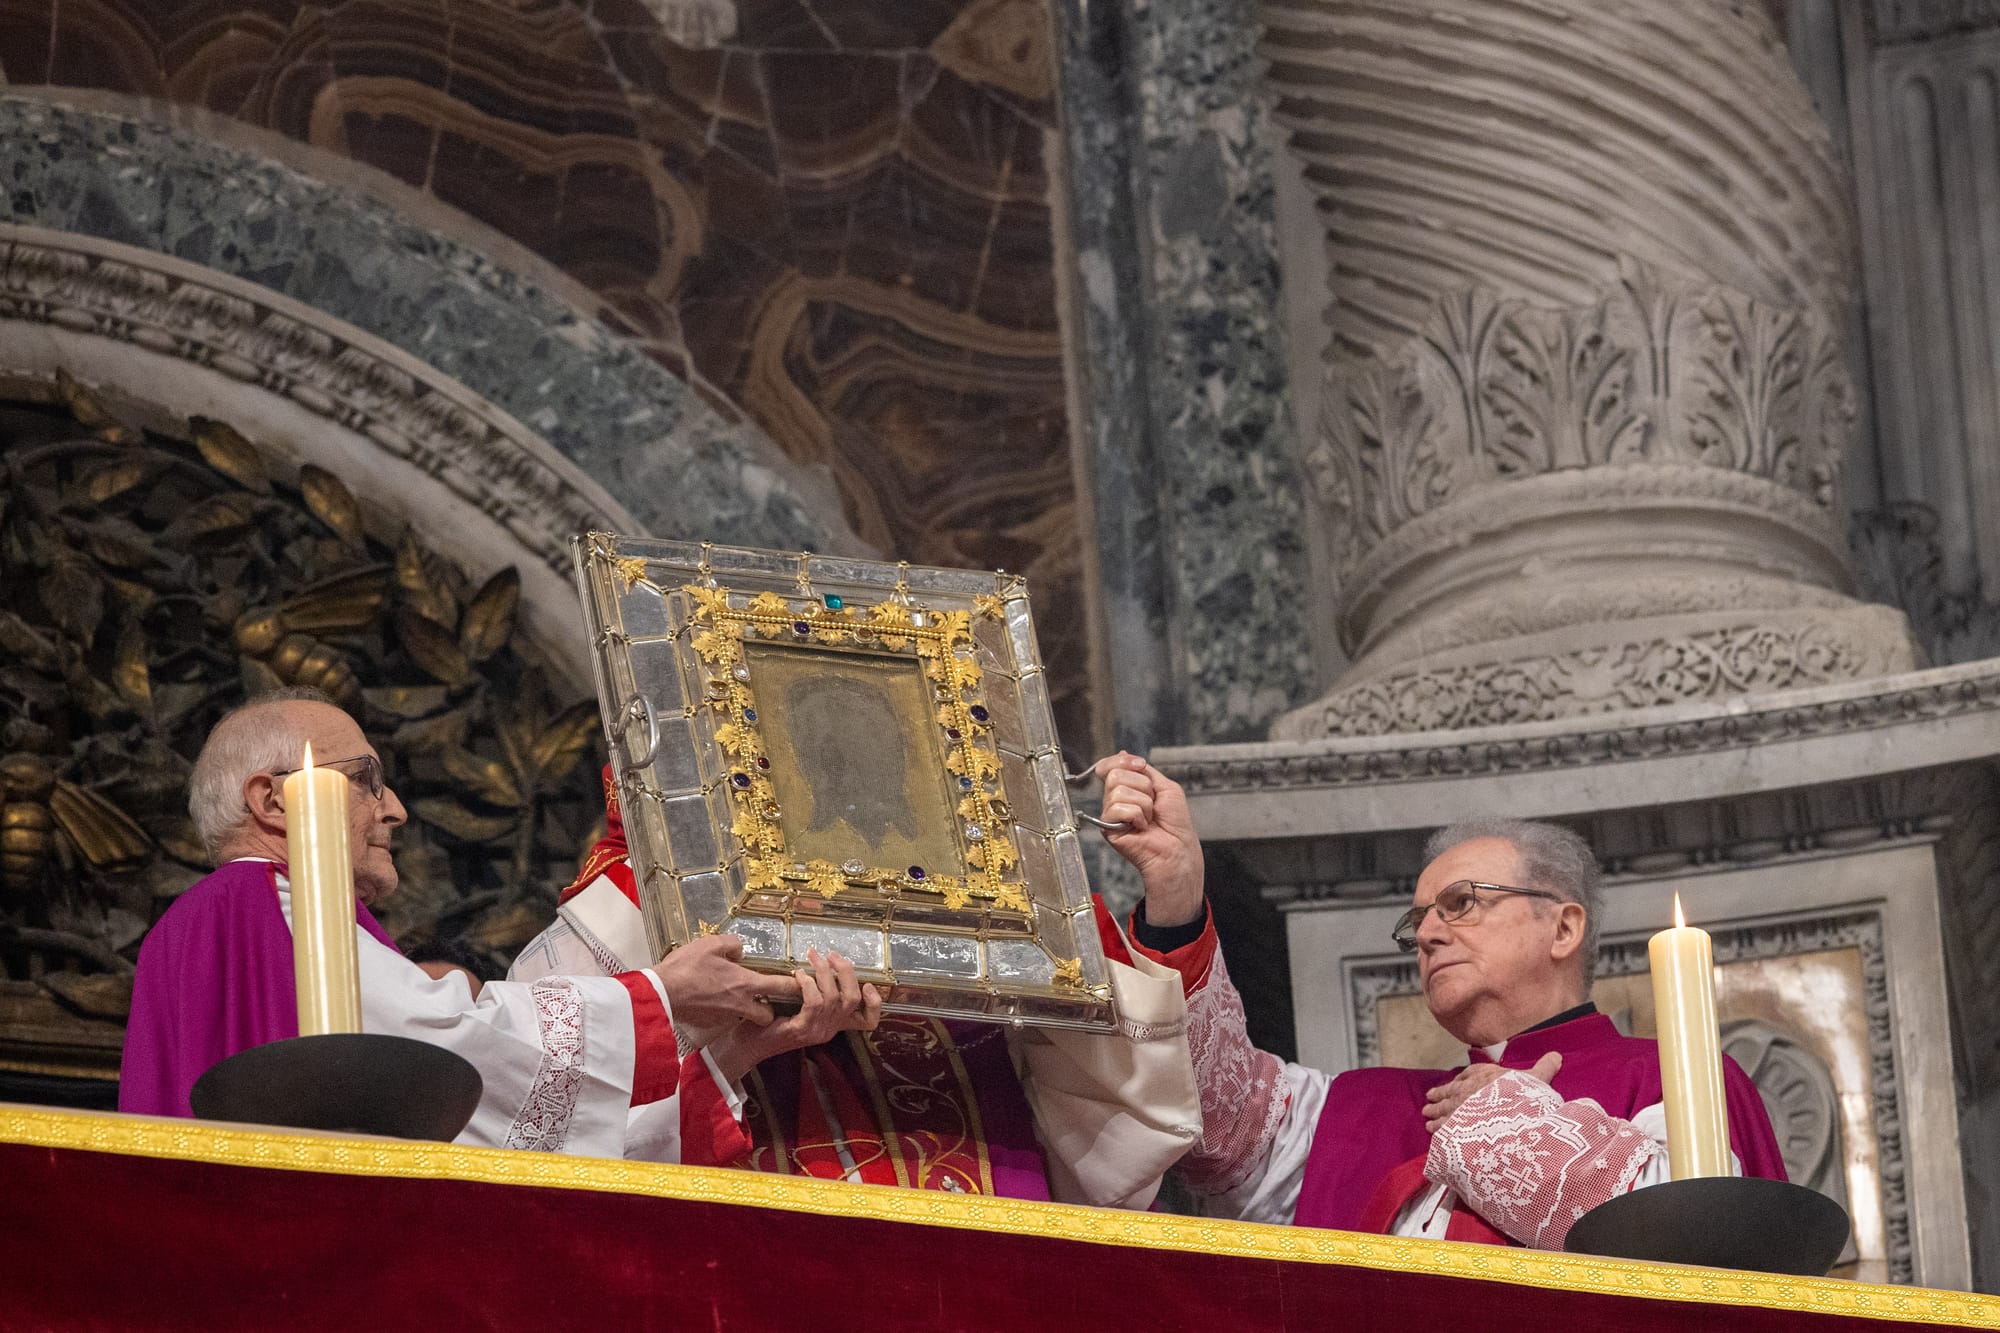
(1531, 1163)
(1243, 1093)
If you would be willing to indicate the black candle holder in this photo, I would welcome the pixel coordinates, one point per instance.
(345, 1082)
(1765, 1226)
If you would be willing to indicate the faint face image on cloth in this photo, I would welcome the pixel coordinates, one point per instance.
(849, 745)
(858, 773)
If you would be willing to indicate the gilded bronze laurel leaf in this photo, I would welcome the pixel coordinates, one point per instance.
(557, 749)
(488, 779)
(178, 839)
(172, 702)
(119, 476)
(349, 600)
(504, 929)
(408, 702)
(94, 994)
(224, 449)
(72, 594)
(257, 678)
(215, 521)
(116, 543)
(433, 648)
(489, 620)
(137, 598)
(129, 673)
(332, 504)
(40, 692)
(91, 413)
(432, 734)
(444, 813)
(516, 745)
(105, 835)
(424, 590)
(25, 644)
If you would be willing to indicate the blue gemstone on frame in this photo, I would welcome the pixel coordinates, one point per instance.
(965, 783)
(802, 627)
(978, 712)
(749, 715)
(740, 779)
(833, 603)
(916, 872)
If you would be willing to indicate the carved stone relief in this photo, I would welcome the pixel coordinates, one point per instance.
(1586, 364)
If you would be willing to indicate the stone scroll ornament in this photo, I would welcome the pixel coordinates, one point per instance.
(823, 753)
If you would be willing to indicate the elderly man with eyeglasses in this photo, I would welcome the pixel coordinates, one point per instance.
(576, 1064)
(1553, 1113)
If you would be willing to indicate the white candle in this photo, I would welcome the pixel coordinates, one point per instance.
(322, 874)
(1690, 1050)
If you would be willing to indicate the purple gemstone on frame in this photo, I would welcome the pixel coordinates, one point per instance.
(953, 732)
(916, 872)
(978, 712)
(802, 627)
(740, 779)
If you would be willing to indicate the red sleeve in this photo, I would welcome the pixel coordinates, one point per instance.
(656, 1061)
(1750, 1132)
(1108, 934)
(620, 873)
(710, 1135)
(1192, 961)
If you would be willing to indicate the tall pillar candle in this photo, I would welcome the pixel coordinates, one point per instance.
(322, 874)
(1690, 1050)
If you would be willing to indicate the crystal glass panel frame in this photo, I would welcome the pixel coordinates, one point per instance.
(805, 753)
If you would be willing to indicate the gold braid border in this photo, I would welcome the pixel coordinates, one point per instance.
(202, 1141)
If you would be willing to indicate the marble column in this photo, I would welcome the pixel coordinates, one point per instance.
(1586, 399)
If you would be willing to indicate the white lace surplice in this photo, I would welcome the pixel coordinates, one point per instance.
(555, 1055)
(1113, 1110)
(1260, 1115)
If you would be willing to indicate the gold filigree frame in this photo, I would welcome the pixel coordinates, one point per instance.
(694, 643)
(942, 642)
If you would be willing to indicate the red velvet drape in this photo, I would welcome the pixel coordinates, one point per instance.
(94, 1240)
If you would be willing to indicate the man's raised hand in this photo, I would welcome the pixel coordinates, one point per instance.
(831, 1001)
(1158, 837)
(708, 988)
(1442, 1100)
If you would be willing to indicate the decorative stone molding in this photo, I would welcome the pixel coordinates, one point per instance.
(1956, 696)
(1920, 20)
(175, 339)
(492, 462)
(1775, 651)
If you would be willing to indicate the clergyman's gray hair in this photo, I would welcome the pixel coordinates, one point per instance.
(245, 741)
(1552, 858)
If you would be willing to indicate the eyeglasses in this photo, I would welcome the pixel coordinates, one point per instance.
(370, 775)
(1456, 902)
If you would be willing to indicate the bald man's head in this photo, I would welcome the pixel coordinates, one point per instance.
(237, 803)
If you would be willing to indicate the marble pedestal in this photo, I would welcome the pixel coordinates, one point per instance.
(1842, 843)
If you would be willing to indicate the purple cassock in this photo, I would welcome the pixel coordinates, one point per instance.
(1371, 1133)
(215, 977)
